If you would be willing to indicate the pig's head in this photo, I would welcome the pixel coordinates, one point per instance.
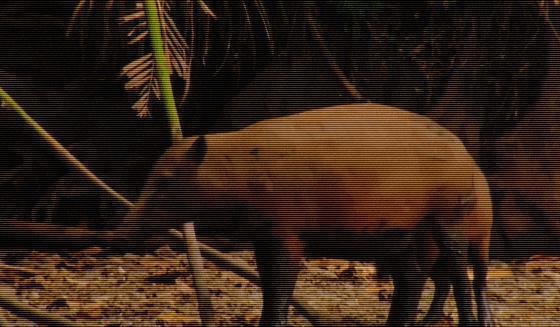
(171, 195)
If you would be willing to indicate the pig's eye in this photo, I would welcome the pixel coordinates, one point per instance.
(163, 182)
(160, 196)
(167, 175)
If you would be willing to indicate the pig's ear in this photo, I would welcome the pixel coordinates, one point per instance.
(197, 151)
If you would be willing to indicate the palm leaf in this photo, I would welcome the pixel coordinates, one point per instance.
(141, 73)
(218, 36)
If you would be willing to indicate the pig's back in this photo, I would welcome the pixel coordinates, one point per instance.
(337, 164)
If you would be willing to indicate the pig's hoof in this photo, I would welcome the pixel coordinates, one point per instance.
(431, 319)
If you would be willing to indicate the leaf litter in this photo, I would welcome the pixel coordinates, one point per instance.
(94, 287)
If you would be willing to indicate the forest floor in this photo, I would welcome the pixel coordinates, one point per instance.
(97, 288)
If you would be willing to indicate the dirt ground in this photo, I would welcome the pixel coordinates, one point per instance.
(95, 288)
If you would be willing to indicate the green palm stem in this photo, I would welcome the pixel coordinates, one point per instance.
(206, 311)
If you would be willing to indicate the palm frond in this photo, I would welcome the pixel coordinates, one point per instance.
(82, 10)
(263, 15)
(141, 72)
(204, 7)
(210, 37)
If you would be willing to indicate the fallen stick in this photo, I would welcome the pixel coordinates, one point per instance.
(242, 269)
(8, 302)
(18, 269)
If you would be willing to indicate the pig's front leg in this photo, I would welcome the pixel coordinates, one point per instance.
(278, 262)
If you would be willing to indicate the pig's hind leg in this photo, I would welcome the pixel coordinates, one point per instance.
(480, 268)
(442, 285)
(408, 280)
(454, 248)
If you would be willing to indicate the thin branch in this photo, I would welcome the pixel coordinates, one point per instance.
(9, 302)
(331, 60)
(197, 264)
(7, 102)
(242, 269)
(544, 10)
(18, 269)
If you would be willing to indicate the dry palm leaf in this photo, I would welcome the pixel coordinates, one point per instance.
(82, 10)
(266, 24)
(85, 22)
(142, 71)
(191, 31)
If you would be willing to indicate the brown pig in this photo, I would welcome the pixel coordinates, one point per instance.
(362, 181)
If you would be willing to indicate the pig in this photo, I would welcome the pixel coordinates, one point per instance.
(357, 181)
